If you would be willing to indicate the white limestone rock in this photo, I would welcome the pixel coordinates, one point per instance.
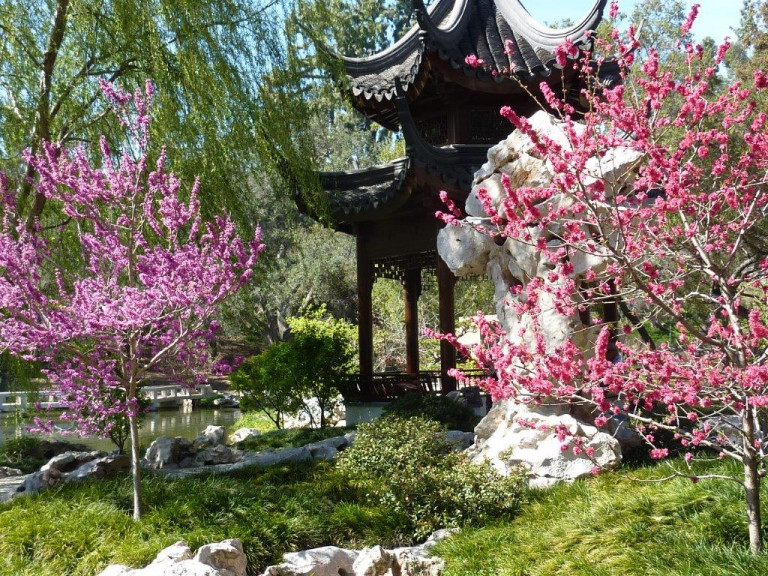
(374, 561)
(211, 436)
(227, 557)
(325, 561)
(167, 453)
(72, 467)
(220, 559)
(243, 434)
(466, 250)
(218, 454)
(515, 435)
(174, 553)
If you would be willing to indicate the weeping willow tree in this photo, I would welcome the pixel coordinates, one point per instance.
(208, 59)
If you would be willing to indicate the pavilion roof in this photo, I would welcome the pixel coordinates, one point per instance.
(455, 29)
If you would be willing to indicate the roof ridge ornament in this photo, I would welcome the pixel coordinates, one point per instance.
(449, 36)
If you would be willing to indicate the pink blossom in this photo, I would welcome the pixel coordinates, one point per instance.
(473, 61)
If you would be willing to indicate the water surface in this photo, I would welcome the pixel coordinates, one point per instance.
(185, 423)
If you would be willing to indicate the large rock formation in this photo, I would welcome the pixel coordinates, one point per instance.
(501, 436)
(514, 436)
(72, 467)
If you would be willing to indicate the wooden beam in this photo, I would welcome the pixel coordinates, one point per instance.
(412, 293)
(445, 286)
(364, 309)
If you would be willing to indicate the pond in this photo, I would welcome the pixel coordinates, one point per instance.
(185, 423)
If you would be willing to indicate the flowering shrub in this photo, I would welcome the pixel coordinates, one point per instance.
(139, 296)
(673, 237)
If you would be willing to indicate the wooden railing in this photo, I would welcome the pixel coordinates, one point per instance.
(385, 386)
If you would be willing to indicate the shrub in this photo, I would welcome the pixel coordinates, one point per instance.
(406, 465)
(439, 408)
(312, 363)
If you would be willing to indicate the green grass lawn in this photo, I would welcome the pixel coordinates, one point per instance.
(77, 530)
(253, 419)
(612, 525)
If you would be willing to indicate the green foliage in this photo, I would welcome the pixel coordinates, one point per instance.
(615, 524)
(448, 412)
(312, 363)
(290, 438)
(78, 529)
(406, 465)
(266, 383)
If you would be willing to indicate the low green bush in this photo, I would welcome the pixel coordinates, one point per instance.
(406, 465)
(439, 408)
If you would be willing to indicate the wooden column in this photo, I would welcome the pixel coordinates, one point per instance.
(445, 284)
(412, 293)
(364, 311)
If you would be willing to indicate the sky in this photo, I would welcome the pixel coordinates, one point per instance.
(717, 18)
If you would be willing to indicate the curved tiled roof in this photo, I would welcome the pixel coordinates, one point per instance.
(455, 29)
(355, 193)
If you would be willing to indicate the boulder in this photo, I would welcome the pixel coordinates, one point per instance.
(6, 472)
(211, 436)
(243, 434)
(166, 452)
(73, 467)
(515, 435)
(221, 559)
(374, 562)
(218, 454)
(325, 561)
(174, 553)
(103, 467)
(227, 557)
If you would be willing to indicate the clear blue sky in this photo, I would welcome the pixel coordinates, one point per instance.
(716, 18)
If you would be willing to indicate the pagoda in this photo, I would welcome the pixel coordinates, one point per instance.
(442, 84)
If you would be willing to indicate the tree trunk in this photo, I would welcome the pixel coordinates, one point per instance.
(752, 483)
(133, 422)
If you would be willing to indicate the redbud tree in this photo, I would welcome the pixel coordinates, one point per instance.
(137, 293)
(675, 239)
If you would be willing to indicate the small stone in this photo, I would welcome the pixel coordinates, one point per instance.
(6, 472)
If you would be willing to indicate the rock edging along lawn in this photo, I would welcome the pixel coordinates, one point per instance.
(227, 558)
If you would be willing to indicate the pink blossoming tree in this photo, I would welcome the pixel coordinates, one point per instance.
(137, 295)
(675, 239)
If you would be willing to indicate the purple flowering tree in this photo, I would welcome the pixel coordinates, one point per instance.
(135, 296)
